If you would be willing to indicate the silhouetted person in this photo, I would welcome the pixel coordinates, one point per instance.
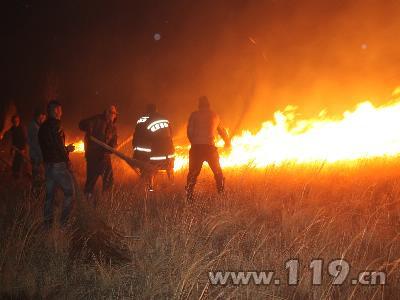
(17, 135)
(98, 160)
(57, 163)
(203, 127)
(152, 143)
(35, 153)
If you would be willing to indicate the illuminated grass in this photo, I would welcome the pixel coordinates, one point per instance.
(164, 248)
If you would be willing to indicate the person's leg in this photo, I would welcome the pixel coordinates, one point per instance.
(35, 171)
(170, 170)
(146, 177)
(35, 181)
(65, 180)
(195, 165)
(17, 165)
(213, 162)
(92, 173)
(50, 190)
(108, 176)
(150, 183)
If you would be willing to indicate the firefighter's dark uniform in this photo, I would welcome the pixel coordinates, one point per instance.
(98, 160)
(18, 138)
(203, 126)
(152, 142)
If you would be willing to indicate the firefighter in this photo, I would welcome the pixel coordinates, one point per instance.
(203, 127)
(57, 164)
(152, 143)
(98, 160)
(35, 154)
(17, 135)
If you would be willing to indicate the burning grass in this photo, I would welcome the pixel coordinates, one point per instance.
(164, 248)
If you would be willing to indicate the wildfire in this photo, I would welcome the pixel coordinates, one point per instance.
(365, 132)
(79, 147)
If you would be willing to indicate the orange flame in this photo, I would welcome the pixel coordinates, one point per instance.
(79, 147)
(365, 132)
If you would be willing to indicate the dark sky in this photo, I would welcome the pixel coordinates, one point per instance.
(250, 57)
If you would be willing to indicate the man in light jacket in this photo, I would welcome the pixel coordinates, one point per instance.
(203, 127)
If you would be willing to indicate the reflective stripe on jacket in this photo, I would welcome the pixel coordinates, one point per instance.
(153, 136)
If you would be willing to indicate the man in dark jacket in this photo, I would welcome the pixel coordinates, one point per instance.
(35, 153)
(57, 163)
(202, 129)
(98, 160)
(17, 135)
(152, 142)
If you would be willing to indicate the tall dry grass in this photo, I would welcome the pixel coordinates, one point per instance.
(163, 248)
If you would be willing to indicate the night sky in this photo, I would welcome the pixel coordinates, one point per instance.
(249, 57)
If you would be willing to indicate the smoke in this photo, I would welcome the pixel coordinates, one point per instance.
(250, 58)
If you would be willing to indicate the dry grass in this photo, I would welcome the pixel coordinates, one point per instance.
(164, 248)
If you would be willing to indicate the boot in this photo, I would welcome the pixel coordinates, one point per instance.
(220, 184)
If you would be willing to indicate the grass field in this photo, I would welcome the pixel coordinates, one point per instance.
(160, 247)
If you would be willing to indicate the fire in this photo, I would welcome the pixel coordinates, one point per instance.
(79, 147)
(366, 131)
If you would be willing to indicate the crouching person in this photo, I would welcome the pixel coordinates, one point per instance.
(57, 164)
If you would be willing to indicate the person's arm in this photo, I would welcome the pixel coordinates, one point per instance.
(139, 135)
(86, 124)
(135, 137)
(224, 134)
(114, 140)
(59, 141)
(24, 136)
(170, 136)
(31, 133)
(6, 139)
(190, 128)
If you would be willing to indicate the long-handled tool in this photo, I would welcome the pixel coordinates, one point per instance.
(133, 163)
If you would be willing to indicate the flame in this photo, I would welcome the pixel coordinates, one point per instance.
(364, 132)
(79, 147)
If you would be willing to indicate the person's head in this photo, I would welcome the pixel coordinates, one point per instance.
(204, 103)
(39, 116)
(15, 120)
(111, 113)
(151, 108)
(54, 109)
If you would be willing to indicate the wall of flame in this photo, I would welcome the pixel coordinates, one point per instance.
(366, 131)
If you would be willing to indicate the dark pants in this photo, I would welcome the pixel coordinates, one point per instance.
(17, 164)
(197, 155)
(37, 171)
(166, 164)
(96, 167)
(58, 175)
